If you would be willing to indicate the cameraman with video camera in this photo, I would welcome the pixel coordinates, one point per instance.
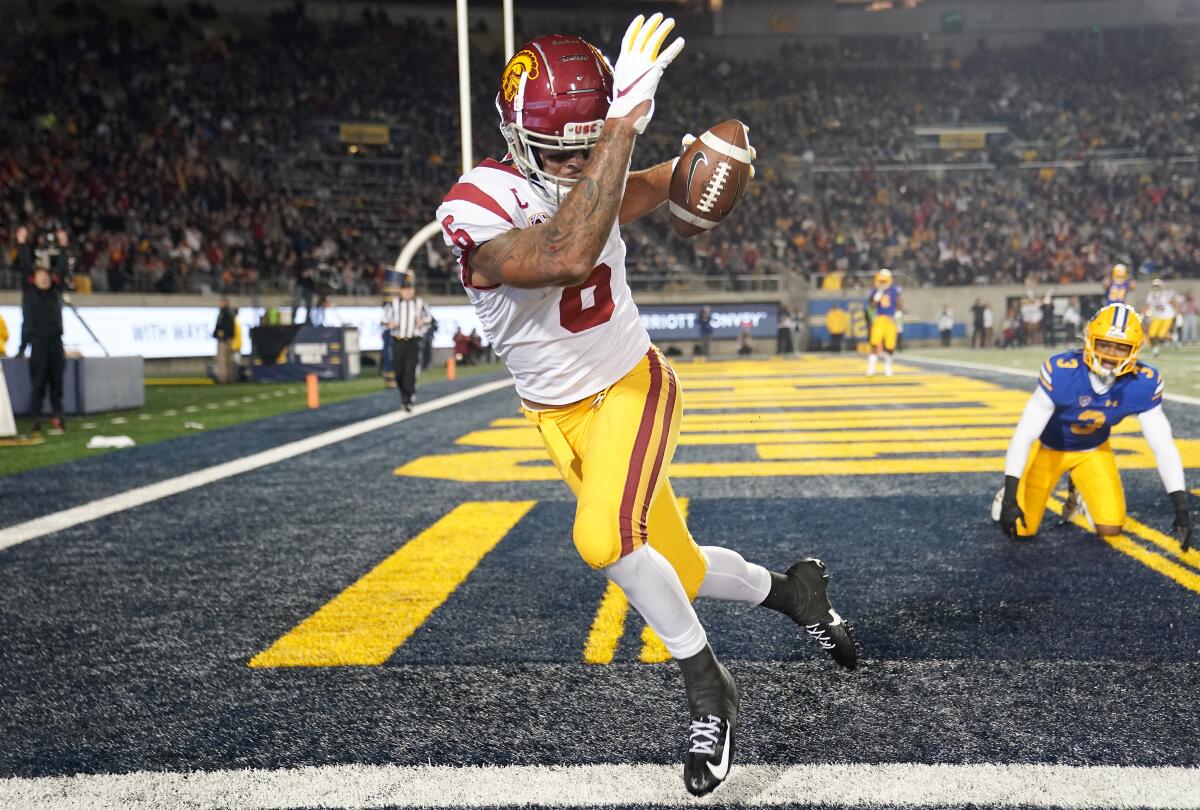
(43, 294)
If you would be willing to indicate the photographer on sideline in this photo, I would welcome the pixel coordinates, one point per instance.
(43, 330)
(23, 263)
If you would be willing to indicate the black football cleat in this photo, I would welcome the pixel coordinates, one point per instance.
(713, 704)
(803, 594)
(710, 754)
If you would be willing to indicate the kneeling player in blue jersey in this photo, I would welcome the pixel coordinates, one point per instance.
(1081, 396)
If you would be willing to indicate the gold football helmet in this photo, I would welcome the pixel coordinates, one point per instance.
(1120, 272)
(883, 278)
(1112, 328)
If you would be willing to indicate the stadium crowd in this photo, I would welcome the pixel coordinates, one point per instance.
(183, 151)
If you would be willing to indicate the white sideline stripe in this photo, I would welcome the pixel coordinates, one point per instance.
(360, 786)
(1018, 372)
(129, 499)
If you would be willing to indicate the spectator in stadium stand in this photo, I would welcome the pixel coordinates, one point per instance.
(1048, 320)
(47, 362)
(704, 324)
(945, 324)
(224, 333)
(977, 332)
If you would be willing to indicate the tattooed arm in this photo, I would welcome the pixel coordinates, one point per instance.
(564, 250)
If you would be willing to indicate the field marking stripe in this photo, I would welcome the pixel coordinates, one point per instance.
(654, 651)
(608, 626)
(1186, 400)
(366, 623)
(1152, 560)
(632, 785)
(56, 522)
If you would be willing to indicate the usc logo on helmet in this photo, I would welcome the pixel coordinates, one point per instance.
(524, 61)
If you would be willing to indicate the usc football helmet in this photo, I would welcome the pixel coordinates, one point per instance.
(883, 278)
(1119, 324)
(554, 95)
(1120, 272)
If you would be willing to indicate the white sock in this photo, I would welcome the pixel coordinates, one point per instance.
(887, 364)
(872, 359)
(653, 588)
(731, 578)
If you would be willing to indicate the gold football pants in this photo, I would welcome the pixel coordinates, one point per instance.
(1094, 473)
(883, 333)
(613, 451)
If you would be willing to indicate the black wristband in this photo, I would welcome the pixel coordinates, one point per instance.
(1010, 488)
(1180, 499)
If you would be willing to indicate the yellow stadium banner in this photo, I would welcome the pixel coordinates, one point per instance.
(370, 134)
(962, 139)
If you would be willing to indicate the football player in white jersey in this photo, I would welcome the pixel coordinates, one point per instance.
(545, 270)
(1160, 309)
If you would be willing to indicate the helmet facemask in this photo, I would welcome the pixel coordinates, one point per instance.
(1112, 341)
(523, 145)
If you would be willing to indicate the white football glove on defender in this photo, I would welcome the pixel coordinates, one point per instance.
(640, 66)
(689, 139)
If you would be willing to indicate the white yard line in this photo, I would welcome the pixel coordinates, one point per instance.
(67, 518)
(358, 786)
(1017, 372)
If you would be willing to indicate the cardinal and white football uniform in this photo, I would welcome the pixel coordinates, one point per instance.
(1160, 306)
(561, 344)
(608, 403)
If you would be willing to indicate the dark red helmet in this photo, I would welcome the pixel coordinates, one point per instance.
(554, 95)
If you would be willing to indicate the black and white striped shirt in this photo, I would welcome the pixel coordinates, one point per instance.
(406, 319)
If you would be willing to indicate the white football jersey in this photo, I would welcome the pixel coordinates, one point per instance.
(1161, 303)
(560, 344)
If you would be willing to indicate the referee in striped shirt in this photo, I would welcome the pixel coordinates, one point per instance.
(407, 318)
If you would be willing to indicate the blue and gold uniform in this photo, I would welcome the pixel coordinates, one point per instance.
(884, 302)
(1119, 286)
(1076, 439)
(1117, 292)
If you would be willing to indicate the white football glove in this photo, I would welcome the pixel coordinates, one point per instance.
(689, 139)
(640, 66)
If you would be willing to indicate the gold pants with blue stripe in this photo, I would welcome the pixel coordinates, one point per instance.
(613, 451)
(1094, 473)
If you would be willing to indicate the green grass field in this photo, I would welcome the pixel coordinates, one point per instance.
(1180, 366)
(176, 409)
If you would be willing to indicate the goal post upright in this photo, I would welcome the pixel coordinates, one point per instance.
(427, 232)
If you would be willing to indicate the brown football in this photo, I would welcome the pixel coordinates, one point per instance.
(710, 178)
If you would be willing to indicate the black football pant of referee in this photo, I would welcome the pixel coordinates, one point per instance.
(406, 353)
(47, 363)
